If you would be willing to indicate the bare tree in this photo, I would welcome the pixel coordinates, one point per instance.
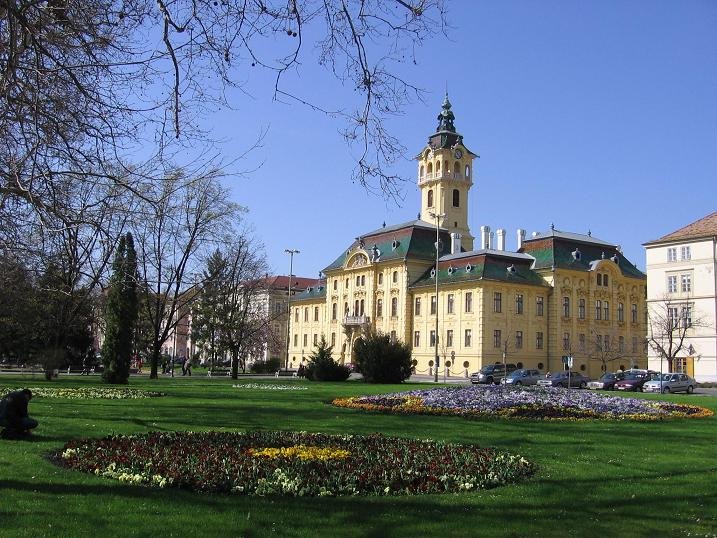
(669, 325)
(605, 348)
(185, 220)
(89, 85)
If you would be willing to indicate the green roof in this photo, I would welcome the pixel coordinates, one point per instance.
(313, 292)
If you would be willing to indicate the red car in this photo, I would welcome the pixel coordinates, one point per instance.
(634, 380)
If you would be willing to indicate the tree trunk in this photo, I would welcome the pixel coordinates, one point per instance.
(235, 364)
(154, 360)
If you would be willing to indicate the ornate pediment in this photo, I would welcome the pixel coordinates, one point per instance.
(359, 259)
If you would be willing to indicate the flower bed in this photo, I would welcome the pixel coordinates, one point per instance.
(294, 463)
(87, 393)
(267, 386)
(521, 402)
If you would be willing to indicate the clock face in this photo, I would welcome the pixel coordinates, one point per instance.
(458, 153)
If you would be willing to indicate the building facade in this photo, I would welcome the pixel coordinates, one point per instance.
(682, 281)
(424, 283)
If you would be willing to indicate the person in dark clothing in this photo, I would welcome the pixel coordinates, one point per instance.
(15, 421)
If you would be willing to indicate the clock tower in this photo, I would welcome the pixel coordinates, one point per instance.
(445, 175)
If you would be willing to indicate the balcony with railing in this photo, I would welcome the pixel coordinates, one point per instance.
(356, 321)
(435, 176)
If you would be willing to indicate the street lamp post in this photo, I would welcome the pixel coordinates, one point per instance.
(291, 253)
(437, 217)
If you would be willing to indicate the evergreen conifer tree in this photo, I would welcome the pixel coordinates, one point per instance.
(120, 313)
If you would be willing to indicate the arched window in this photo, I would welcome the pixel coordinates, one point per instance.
(380, 278)
(316, 313)
(356, 308)
(361, 308)
(468, 171)
(456, 170)
(430, 198)
(346, 309)
(456, 198)
(446, 166)
(438, 166)
(333, 311)
(394, 307)
(395, 277)
(430, 168)
(421, 172)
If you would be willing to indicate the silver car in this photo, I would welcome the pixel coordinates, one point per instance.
(671, 382)
(523, 376)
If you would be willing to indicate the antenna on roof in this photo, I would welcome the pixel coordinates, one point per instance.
(589, 233)
(552, 226)
(384, 223)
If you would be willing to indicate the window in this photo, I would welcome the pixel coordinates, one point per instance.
(363, 280)
(672, 254)
(433, 305)
(519, 303)
(358, 281)
(333, 339)
(361, 308)
(316, 338)
(417, 339)
(296, 314)
(467, 338)
(393, 336)
(468, 171)
(672, 284)
(566, 341)
(620, 312)
(306, 339)
(604, 280)
(686, 283)
(430, 198)
(357, 310)
(432, 338)
(316, 313)
(633, 312)
(306, 313)
(456, 198)
(539, 306)
(449, 306)
(296, 340)
(394, 307)
(581, 309)
(497, 302)
(598, 309)
(379, 308)
(685, 253)
(334, 310)
(449, 338)
(469, 301)
(347, 283)
(539, 340)
(336, 284)
(673, 315)
(518, 339)
(606, 310)
(497, 338)
(686, 316)
(417, 307)
(380, 279)
(599, 279)
(581, 341)
(346, 309)
(394, 277)
(566, 307)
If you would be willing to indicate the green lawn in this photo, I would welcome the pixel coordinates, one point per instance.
(595, 478)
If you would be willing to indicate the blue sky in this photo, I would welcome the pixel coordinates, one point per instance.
(594, 115)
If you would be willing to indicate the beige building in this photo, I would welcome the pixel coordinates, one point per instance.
(559, 294)
(682, 280)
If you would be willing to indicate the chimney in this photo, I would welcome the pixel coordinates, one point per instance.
(500, 233)
(490, 240)
(521, 238)
(484, 237)
(455, 243)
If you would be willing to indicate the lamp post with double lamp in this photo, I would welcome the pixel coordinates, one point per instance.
(437, 217)
(291, 253)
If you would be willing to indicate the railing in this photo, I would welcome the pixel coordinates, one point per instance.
(356, 320)
(440, 175)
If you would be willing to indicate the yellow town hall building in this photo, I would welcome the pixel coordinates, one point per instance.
(560, 294)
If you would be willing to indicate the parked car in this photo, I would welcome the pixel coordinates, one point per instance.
(523, 376)
(560, 379)
(492, 373)
(634, 380)
(606, 381)
(672, 382)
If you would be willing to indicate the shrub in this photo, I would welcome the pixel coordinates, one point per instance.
(382, 361)
(322, 366)
(268, 366)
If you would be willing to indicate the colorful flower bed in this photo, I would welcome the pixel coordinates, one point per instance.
(294, 463)
(87, 393)
(267, 386)
(521, 402)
